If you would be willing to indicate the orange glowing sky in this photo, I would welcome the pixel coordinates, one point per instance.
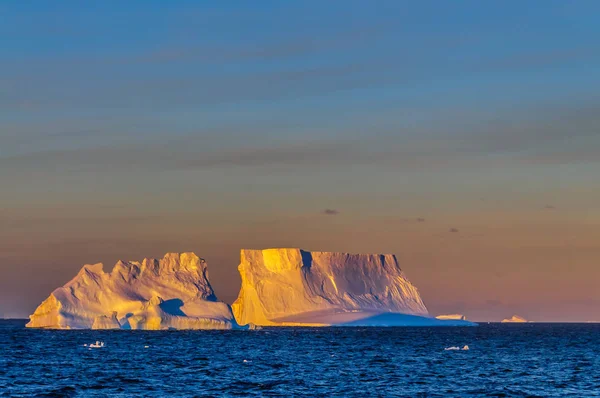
(471, 150)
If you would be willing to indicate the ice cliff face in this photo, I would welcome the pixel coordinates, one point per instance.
(296, 287)
(173, 292)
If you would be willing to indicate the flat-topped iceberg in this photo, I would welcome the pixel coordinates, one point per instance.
(293, 287)
(171, 293)
(455, 317)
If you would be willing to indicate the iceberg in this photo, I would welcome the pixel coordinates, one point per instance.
(456, 317)
(515, 319)
(455, 348)
(170, 293)
(280, 287)
(293, 287)
(97, 344)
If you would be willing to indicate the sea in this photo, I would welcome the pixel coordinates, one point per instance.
(503, 360)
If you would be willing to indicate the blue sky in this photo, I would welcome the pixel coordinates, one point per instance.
(210, 127)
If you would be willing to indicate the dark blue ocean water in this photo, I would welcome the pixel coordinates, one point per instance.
(503, 360)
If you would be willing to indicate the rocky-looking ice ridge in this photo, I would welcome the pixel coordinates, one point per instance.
(170, 293)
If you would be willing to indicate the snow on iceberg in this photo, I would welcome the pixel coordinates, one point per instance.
(293, 287)
(171, 293)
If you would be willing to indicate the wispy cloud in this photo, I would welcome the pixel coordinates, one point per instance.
(298, 46)
(158, 157)
(496, 146)
(330, 212)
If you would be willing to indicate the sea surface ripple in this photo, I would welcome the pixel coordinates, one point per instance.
(504, 360)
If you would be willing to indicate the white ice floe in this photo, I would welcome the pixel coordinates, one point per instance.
(97, 344)
(455, 348)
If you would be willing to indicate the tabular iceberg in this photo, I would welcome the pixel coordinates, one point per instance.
(293, 287)
(171, 293)
(459, 317)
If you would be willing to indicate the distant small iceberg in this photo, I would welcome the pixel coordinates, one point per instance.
(452, 317)
(515, 319)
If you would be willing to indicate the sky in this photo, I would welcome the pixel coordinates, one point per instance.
(464, 137)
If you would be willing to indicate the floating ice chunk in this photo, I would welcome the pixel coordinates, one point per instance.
(146, 346)
(455, 348)
(247, 361)
(97, 344)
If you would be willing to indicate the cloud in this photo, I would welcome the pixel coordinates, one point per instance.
(453, 230)
(331, 212)
(549, 207)
(210, 86)
(551, 133)
(420, 219)
(175, 157)
(190, 155)
(36, 221)
(299, 46)
(537, 136)
(545, 58)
